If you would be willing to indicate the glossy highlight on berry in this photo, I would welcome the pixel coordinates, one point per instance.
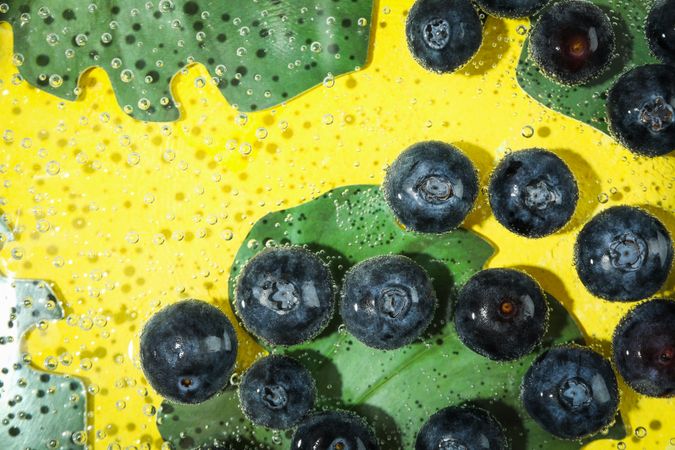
(284, 295)
(277, 392)
(533, 193)
(387, 301)
(461, 428)
(641, 109)
(334, 430)
(644, 348)
(431, 187)
(572, 41)
(501, 314)
(443, 35)
(571, 392)
(623, 254)
(188, 350)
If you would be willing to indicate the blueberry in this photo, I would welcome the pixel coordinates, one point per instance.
(443, 35)
(511, 8)
(334, 430)
(572, 41)
(277, 392)
(188, 351)
(571, 392)
(533, 193)
(387, 301)
(623, 254)
(640, 109)
(431, 187)
(285, 295)
(660, 30)
(461, 428)
(644, 348)
(501, 314)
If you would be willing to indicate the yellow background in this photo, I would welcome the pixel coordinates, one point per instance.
(125, 217)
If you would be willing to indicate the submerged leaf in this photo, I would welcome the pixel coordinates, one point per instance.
(260, 53)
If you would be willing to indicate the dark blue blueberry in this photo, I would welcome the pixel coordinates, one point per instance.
(461, 428)
(501, 314)
(533, 193)
(387, 301)
(623, 254)
(511, 8)
(443, 35)
(188, 351)
(334, 430)
(285, 295)
(572, 41)
(660, 30)
(571, 391)
(277, 392)
(644, 348)
(640, 109)
(431, 187)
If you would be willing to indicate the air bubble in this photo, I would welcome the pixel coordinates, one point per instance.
(51, 363)
(315, 47)
(144, 104)
(132, 237)
(52, 39)
(261, 133)
(86, 364)
(43, 225)
(17, 253)
(329, 81)
(81, 40)
(149, 410)
(126, 75)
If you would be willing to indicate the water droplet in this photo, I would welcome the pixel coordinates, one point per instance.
(603, 197)
(640, 432)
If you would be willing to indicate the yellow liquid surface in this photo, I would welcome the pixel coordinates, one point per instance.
(125, 217)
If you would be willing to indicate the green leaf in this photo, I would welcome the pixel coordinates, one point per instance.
(587, 102)
(395, 390)
(39, 409)
(262, 52)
